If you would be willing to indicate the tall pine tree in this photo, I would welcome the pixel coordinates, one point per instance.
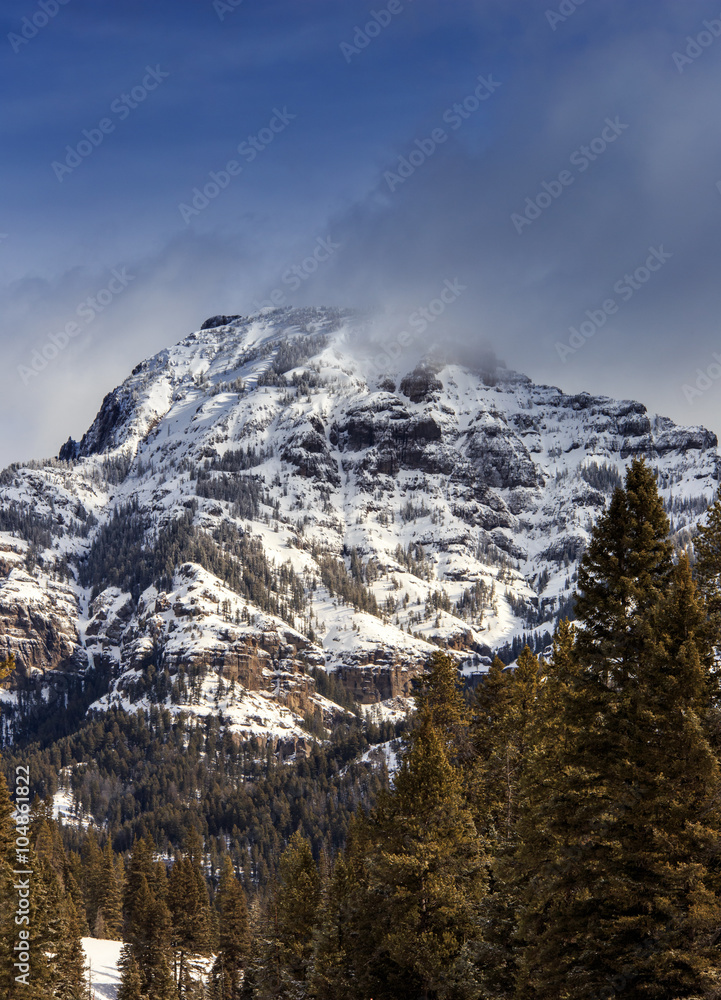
(415, 915)
(291, 921)
(190, 913)
(131, 986)
(234, 944)
(623, 789)
(503, 731)
(439, 701)
(707, 569)
(333, 976)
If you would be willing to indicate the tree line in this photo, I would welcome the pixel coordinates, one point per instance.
(556, 835)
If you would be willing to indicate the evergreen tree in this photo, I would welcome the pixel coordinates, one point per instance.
(707, 568)
(415, 916)
(489, 707)
(57, 920)
(333, 976)
(110, 908)
(68, 967)
(39, 942)
(296, 904)
(73, 877)
(160, 982)
(553, 798)
(503, 728)
(49, 846)
(622, 575)
(190, 913)
(621, 871)
(149, 934)
(94, 877)
(140, 877)
(234, 944)
(130, 981)
(439, 700)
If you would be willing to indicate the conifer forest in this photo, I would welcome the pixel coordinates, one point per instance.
(553, 832)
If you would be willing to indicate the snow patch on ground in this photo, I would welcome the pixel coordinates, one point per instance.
(103, 975)
(387, 754)
(391, 710)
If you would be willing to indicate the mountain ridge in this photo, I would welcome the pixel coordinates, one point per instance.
(260, 491)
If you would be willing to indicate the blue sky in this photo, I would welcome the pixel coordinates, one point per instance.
(332, 172)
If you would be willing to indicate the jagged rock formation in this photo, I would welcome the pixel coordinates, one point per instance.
(38, 618)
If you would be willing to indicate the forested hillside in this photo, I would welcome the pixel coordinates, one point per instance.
(554, 833)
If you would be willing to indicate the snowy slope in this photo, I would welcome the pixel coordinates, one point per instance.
(459, 499)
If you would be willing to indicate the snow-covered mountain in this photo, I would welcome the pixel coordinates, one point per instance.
(258, 509)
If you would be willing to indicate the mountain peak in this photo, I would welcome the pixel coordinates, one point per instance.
(377, 513)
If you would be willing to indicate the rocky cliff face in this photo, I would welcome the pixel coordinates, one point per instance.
(38, 617)
(257, 503)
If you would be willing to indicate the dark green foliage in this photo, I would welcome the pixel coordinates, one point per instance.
(52, 704)
(602, 477)
(291, 921)
(111, 896)
(117, 557)
(621, 827)
(535, 641)
(234, 937)
(622, 575)
(414, 914)
(189, 907)
(502, 735)
(34, 528)
(161, 776)
(245, 493)
(149, 931)
(131, 985)
(93, 878)
(238, 460)
(340, 582)
(328, 685)
(54, 962)
(68, 966)
(440, 703)
(333, 975)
